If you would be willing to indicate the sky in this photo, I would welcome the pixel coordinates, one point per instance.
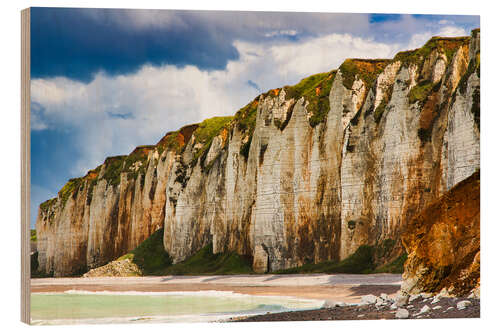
(104, 81)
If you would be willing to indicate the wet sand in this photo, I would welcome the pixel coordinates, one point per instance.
(335, 287)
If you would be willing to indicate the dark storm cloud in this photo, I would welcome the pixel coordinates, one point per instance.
(77, 43)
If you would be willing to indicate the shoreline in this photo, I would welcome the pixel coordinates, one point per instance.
(347, 288)
(342, 295)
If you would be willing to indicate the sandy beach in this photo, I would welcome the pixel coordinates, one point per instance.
(336, 287)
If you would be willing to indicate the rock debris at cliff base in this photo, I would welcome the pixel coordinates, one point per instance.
(444, 308)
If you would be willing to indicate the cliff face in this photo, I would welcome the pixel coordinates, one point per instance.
(443, 243)
(301, 174)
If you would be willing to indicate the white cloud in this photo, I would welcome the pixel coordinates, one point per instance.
(419, 39)
(452, 31)
(326, 53)
(113, 114)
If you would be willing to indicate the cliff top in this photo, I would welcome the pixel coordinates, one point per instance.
(366, 69)
(446, 45)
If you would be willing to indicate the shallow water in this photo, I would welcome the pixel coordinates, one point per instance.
(103, 307)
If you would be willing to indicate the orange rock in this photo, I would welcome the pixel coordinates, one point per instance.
(443, 243)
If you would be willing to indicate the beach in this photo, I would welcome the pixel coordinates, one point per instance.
(228, 298)
(333, 287)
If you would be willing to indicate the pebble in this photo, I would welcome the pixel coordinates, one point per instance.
(402, 314)
(436, 299)
(414, 298)
(437, 307)
(394, 306)
(425, 309)
(361, 315)
(369, 299)
(463, 304)
(410, 306)
(401, 300)
(384, 296)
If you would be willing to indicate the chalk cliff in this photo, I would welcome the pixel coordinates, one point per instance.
(301, 174)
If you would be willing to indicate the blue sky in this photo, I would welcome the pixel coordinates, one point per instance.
(107, 80)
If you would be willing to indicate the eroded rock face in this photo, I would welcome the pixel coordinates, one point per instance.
(301, 174)
(103, 215)
(443, 243)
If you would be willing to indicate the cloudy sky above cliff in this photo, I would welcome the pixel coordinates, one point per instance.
(105, 81)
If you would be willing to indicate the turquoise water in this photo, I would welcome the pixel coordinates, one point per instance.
(63, 308)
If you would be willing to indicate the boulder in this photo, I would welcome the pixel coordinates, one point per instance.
(414, 298)
(463, 304)
(401, 300)
(369, 299)
(436, 299)
(425, 309)
(402, 314)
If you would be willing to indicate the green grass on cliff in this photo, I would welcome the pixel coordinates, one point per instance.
(365, 69)
(205, 262)
(113, 168)
(33, 235)
(70, 188)
(305, 85)
(246, 117)
(420, 92)
(316, 91)
(46, 205)
(170, 142)
(245, 120)
(206, 132)
(150, 255)
(136, 162)
(360, 262)
(395, 266)
(446, 45)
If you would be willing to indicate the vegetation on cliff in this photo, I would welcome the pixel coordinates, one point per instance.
(245, 120)
(70, 188)
(363, 261)
(205, 134)
(445, 45)
(152, 259)
(150, 256)
(316, 91)
(205, 262)
(46, 205)
(365, 69)
(421, 91)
